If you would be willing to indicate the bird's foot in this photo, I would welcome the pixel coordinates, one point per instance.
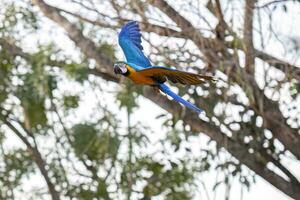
(156, 89)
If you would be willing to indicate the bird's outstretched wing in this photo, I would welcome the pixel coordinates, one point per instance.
(175, 76)
(130, 41)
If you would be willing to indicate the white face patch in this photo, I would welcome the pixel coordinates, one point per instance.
(120, 68)
(123, 68)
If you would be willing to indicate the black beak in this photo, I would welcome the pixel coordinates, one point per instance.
(117, 70)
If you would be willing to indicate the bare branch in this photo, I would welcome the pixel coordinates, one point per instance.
(273, 2)
(145, 26)
(260, 101)
(37, 157)
(87, 46)
(248, 36)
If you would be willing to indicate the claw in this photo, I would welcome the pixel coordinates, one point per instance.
(156, 89)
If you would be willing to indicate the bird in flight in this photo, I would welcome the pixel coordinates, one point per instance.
(139, 69)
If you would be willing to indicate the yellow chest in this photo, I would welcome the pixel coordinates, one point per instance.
(137, 78)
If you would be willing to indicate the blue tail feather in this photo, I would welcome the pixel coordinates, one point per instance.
(177, 98)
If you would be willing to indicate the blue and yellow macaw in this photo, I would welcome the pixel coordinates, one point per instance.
(139, 69)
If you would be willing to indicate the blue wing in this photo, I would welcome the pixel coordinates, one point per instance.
(130, 41)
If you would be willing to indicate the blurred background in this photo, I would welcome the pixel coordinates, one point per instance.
(71, 129)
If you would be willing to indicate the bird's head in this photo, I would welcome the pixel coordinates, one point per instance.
(120, 68)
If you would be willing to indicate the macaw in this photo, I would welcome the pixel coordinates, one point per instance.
(139, 69)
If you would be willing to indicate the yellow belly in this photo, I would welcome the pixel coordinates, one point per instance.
(137, 78)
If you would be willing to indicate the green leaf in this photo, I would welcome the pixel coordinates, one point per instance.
(78, 72)
(32, 103)
(17, 164)
(107, 50)
(71, 101)
(96, 145)
(127, 97)
(294, 90)
(102, 189)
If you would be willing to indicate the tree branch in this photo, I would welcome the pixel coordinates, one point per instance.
(210, 51)
(87, 46)
(7, 44)
(17, 51)
(256, 162)
(290, 70)
(37, 157)
(235, 148)
(145, 26)
(248, 36)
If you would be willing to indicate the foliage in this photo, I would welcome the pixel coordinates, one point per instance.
(15, 165)
(96, 147)
(88, 138)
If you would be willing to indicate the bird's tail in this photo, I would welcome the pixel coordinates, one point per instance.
(177, 98)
